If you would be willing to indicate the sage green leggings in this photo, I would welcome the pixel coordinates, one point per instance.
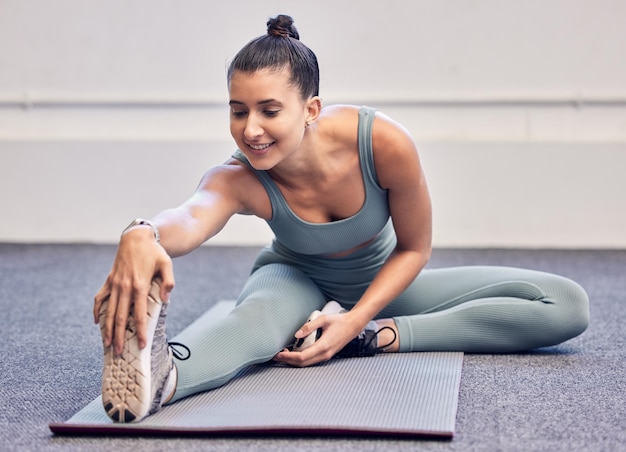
(476, 309)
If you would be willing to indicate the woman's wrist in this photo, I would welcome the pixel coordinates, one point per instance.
(139, 222)
(359, 318)
(139, 233)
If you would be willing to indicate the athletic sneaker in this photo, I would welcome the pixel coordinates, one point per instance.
(135, 382)
(332, 307)
(365, 344)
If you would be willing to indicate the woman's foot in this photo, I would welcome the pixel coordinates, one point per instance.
(137, 382)
(372, 340)
(378, 336)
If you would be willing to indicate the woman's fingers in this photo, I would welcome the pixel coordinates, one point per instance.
(140, 309)
(321, 350)
(100, 298)
(109, 318)
(127, 288)
(308, 328)
(337, 331)
(118, 315)
(166, 270)
(317, 353)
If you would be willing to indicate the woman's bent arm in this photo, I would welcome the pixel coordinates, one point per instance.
(399, 171)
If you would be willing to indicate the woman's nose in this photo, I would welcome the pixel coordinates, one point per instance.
(253, 128)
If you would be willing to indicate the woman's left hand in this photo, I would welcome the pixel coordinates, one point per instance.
(337, 331)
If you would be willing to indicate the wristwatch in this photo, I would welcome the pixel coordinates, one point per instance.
(142, 222)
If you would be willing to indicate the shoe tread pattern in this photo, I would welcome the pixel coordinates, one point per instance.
(126, 386)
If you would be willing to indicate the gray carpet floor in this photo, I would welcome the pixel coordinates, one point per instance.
(565, 398)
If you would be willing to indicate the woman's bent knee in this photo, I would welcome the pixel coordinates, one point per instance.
(573, 310)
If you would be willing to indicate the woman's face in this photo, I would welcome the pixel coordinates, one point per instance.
(267, 116)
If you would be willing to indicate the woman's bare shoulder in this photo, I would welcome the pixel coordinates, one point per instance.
(339, 113)
(395, 152)
(340, 122)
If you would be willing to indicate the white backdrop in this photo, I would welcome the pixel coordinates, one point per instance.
(113, 109)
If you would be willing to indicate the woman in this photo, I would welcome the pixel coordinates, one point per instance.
(342, 188)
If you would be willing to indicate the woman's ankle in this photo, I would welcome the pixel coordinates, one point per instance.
(388, 335)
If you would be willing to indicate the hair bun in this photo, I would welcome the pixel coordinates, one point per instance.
(282, 26)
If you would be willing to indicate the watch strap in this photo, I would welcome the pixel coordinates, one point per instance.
(142, 222)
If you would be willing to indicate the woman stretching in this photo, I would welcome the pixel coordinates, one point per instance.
(343, 190)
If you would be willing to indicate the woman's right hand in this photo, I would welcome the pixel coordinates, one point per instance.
(138, 261)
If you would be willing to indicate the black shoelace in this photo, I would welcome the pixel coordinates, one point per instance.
(177, 353)
(361, 345)
(380, 348)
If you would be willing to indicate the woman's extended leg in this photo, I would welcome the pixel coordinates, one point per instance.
(275, 301)
(488, 310)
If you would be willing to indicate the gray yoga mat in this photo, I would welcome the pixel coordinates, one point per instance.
(409, 394)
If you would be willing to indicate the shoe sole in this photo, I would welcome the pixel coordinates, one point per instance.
(126, 385)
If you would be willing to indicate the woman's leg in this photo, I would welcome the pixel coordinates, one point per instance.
(275, 301)
(488, 310)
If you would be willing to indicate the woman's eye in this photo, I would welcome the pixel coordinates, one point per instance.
(238, 114)
(271, 113)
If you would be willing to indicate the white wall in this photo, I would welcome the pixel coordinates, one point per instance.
(113, 109)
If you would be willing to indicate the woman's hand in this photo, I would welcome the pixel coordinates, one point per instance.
(139, 259)
(337, 331)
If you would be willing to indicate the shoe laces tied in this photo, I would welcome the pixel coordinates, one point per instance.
(380, 348)
(181, 356)
(362, 345)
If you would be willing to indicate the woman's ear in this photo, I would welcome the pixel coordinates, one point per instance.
(313, 109)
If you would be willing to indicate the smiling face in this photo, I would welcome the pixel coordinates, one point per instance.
(267, 116)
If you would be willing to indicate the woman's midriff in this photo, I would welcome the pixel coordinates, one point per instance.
(351, 250)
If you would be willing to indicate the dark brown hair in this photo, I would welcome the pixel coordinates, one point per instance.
(278, 49)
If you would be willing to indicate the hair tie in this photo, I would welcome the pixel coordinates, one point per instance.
(278, 31)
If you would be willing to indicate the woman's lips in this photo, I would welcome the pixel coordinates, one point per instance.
(259, 149)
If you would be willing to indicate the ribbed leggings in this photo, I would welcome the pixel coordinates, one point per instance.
(480, 309)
